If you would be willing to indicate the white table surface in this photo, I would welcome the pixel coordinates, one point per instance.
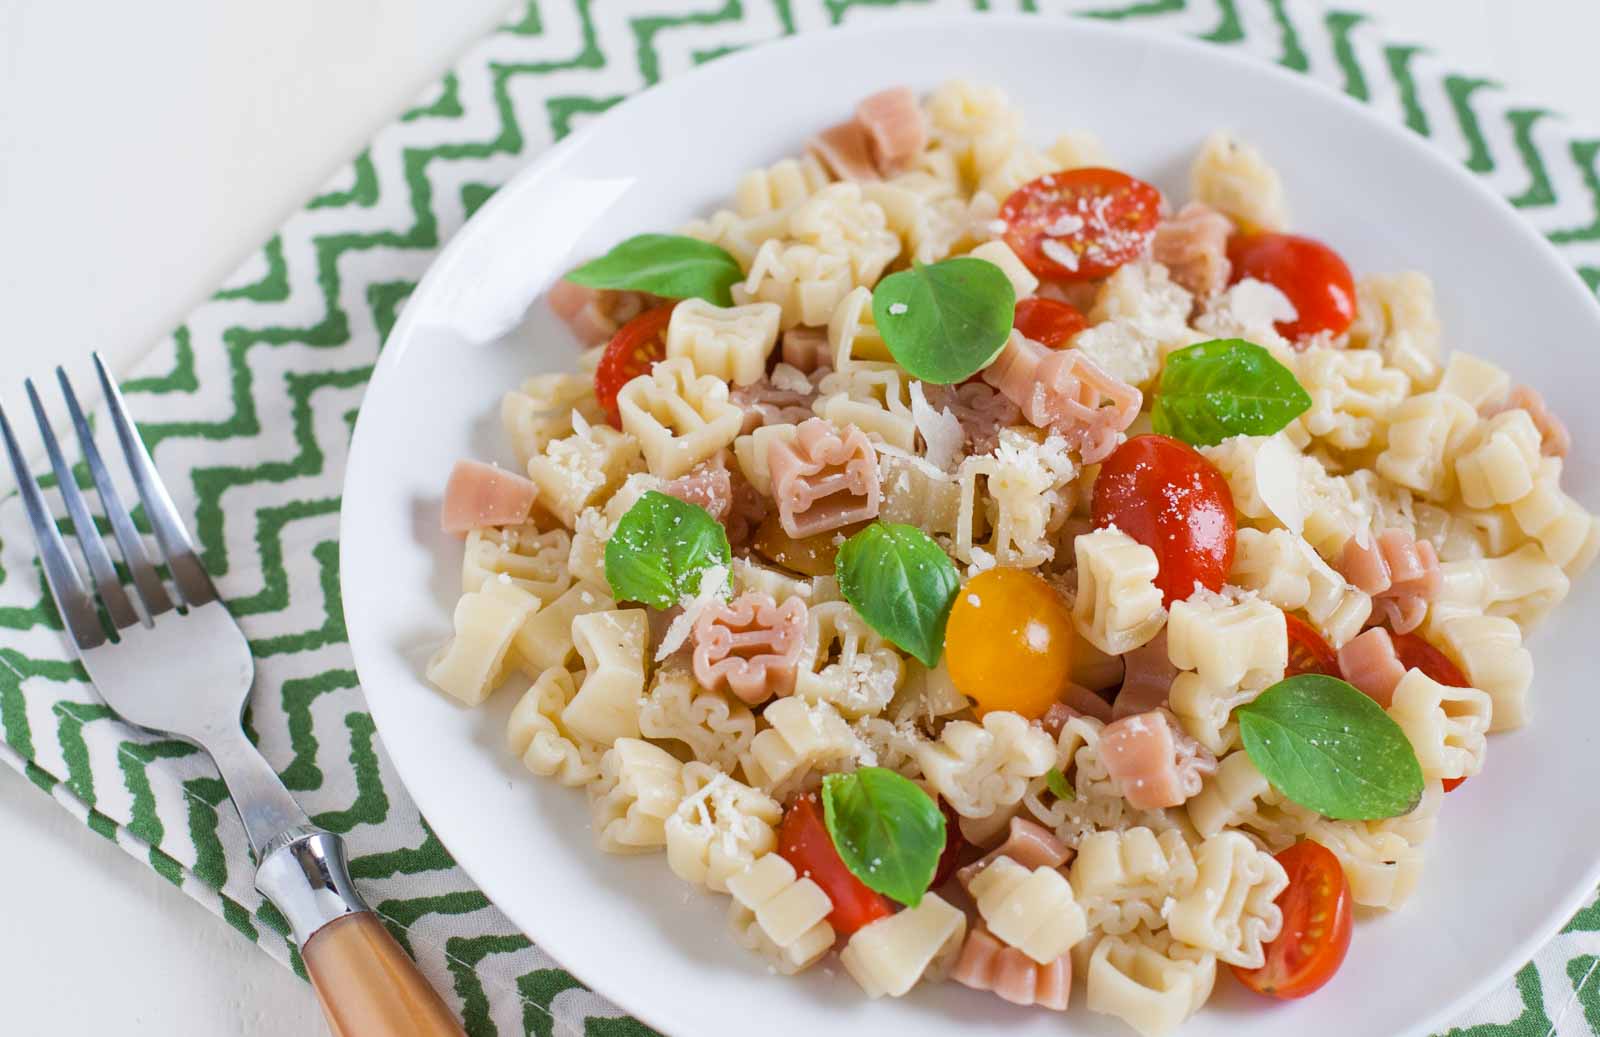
(147, 149)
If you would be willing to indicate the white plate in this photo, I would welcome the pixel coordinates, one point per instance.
(1517, 848)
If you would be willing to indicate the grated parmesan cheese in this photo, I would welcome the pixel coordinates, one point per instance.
(897, 308)
(790, 379)
(1058, 253)
(712, 582)
(942, 435)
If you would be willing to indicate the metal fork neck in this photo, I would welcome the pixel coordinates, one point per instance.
(305, 875)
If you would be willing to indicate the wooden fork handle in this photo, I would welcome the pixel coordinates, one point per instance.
(367, 985)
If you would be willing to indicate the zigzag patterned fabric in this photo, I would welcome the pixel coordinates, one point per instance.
(258, 390)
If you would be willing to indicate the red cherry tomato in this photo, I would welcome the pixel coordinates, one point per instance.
(1416, 654)
(954, 845)
(1316, 926)
(1049, 322)
(636, 347)
(1168, 497)
(1080, 224)
(804, 842)
(1310, 273)
(1308, 652)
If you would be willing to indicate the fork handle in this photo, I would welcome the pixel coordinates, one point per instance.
(365, 982)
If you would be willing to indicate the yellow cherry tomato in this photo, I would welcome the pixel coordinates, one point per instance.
(1009, 642)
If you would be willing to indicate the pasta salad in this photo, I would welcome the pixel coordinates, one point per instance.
(967, 560)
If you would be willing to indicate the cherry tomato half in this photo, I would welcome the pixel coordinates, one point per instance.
(954, 845)
(1310, 273)
(1080, 224)
(1167, 496)
(636, 347)
(1308, 652)
(804, 842)
(1316, 926)
(1415, 653)
(1049, 322)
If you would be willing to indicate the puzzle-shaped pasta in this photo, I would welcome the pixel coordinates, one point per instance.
(1445, 725)
(640, 786)
(780, 914)
(987, 964)
(533, 560)
(614, 645)
(719, 828)
(1230, 910)
(1123, 877)
(802, 740)
(1118, 606)
(536, 735)
(714, 728)
(1396, 316)
(1489, 651)
(823, 479)
(1032, 910)
(1062, 390)
(1499, 460)
(541, 411)
(545, 639)
(890, 955)
(729, 343)
(583, 469)
(980, 769)
(1152, 985)
(679, 419)
(1352, 395)
(1228, 644)
(845, 663)
(472, 663)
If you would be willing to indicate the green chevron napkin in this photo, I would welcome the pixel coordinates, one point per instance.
(248, 408)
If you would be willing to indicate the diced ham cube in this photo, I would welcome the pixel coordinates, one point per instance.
(480, 495)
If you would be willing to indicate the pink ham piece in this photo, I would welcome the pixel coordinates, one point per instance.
(480, 495)
(1371, 665)
(765, 404)
(1147, 675)
(1030, 845)
(1193, 246)
(1063, 391)
(595, 314)
(823, 479)
(896, 133)
(1400, 572)
(1554, 440)
(750, 646)
(846, 150)
(1153, 762)
(987, 964)
(709, 486)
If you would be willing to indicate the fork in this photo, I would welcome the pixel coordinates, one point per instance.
(178, 664)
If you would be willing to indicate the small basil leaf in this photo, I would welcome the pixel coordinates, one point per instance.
(902, 584)
(660, 548)
(1226, 387)
(888, 832)
(669, 265)
(1328, 747)
(946, 321)
(1056, 782)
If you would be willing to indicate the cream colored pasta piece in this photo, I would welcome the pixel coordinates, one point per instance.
(1482, 384)
(1142, 296)
(750, 646)
(845, 663)
(1382, 867)
(1122, 878)
(1523, 585)
(1228, 643)
(925, 695)
(1454, 536)
(999, 253)
(1352, 395)
(472, 663)
(1489, 651)
(872, 398)
(1273, 564)
(805, 281)
(1425, 434)
(1235, 179)
(1264, 476)
(1151, 985)
(1554, 440)
(1154, 763)
(838, 220)
(714, 728)
(801, 741)
(1002, 169)
(967, 118)
(743, 237)
(915, 492)
(586, 555)
(890, 744)
(779, 187)
(1445, 725)
(1017, 497)
(1193, 245)
(1230, 910)
(749, 575)
(1395, 315)
(730, 343)
(1118, 606)
(823, 479)
(1205, 710)
(545, 639)
(1237, 796)
(1075, 149)
(1033, 910)
(780, 914)
(541, 411)
(853, 334)
(719, 828)
(926, 211)
(536, 735)
(987, 964)
(891, 954)
(1498, 462)
(680, 419)
(1569, 534)
(583, 469)
(533, 560)
(640, 786)
(613, 645)
(1064, 391)
(979, 769)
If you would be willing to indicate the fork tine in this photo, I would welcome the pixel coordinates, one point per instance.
(151, 592)
(193, 583)
(101, 572)
(82, 619)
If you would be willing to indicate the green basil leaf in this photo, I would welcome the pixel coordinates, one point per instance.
(669, 265)
(946, 321)
(1056, 782)
(903, 585)
(1222, 388)
(888, 832)
(1328, 747)
(660, 548)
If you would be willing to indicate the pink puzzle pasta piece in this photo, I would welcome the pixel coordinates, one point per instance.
(805, 349)
(981, 410)
(895, 131)
(480, 495)
(1153, 762)
(1554, 440)
(1400, 572)
(823, 478)
(1063, 391)
(709, 486)
(1147, 675)
(747, 510)
(987, 964)
(1075, 701)
(750, 646)
(595, 314)
(766, 404)
(1029, 844)
(846, 150)
(1193, 246)
(1371, 665)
